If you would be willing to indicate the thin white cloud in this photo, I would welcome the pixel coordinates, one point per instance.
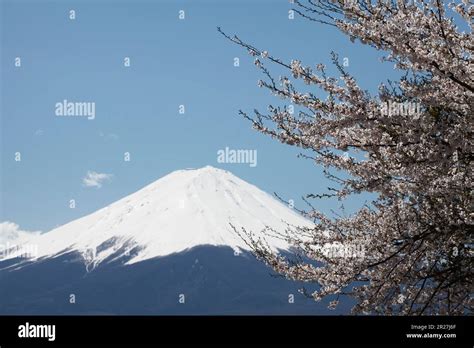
(10, 232)
(94, 179)
(111, 136)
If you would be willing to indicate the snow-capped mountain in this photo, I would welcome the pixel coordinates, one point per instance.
(165, 249)
(184, 209)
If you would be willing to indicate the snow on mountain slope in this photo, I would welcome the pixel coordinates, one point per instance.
(183, 209)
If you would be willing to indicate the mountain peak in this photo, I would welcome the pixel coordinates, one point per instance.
(183, 209)
(208, 169)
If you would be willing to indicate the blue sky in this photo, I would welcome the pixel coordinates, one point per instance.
(173, 62)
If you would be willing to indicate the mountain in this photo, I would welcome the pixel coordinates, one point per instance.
(179, 211)
(147, 253)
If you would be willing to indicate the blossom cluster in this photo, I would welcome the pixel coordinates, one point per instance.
(417, 234)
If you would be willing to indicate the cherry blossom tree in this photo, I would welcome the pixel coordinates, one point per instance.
(410, 250)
